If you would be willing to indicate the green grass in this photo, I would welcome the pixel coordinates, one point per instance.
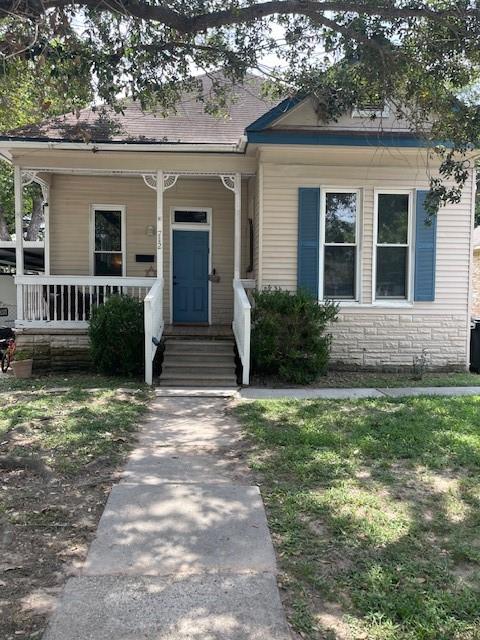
(374, 507)
(373, 380)
(71, 428)
(72, 381)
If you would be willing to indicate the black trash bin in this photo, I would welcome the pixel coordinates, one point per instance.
(475, 347)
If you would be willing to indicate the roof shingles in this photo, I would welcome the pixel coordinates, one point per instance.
(190, 124)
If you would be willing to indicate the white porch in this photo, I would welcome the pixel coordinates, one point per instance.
(65, 301)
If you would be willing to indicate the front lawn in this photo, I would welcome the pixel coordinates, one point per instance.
(375, 380)
(374, 507)
(59, 451)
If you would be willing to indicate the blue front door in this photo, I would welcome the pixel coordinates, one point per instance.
(190, 277)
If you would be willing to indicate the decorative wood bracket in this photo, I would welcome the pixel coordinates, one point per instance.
(150, 180)
(31, 176)
(228, 182)
(169, 180)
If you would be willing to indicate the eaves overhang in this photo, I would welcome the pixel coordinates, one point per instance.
(9, 143)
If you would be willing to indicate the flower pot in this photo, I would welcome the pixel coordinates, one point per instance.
(22, 368)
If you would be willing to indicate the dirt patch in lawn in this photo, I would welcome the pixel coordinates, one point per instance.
(56, 471)
(45, 532)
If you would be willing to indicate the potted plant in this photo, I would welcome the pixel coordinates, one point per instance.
(22, 364)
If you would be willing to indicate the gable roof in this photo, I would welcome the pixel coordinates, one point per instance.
(190, 124)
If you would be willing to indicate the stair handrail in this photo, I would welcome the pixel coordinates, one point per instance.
(154, 325)
(241, 326)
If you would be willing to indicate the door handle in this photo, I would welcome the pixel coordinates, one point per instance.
(174, 281)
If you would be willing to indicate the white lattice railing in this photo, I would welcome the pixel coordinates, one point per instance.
(67, 301)
(153, 326)
(241, 324)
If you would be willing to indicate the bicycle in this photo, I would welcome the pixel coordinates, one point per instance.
(9, 353)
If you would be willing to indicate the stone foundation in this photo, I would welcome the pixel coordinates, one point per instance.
(373, 342)
(390, 341)
(56, 349)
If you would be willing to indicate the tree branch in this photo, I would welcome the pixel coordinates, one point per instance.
(188, 24)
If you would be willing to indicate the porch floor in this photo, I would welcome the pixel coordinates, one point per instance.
(205, 331)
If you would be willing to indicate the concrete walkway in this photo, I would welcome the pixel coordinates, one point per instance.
(182, 550)
(258, 393)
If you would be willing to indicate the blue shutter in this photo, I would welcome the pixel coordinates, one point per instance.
(425, 251)
(308, 239)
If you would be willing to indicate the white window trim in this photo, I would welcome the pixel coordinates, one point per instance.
(408, 300)
(358, 244)
(189, 226)
(108, 207)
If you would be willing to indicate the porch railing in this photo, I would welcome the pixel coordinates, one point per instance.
(241, 323)
(153, 326)
(67, 301)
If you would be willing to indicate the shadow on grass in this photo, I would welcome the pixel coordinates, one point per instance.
(374, 507)
(75, 427)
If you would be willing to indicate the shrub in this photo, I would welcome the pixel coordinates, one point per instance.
(288, 335)
(24, 354)
(117, 336)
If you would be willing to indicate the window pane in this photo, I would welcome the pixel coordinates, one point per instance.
(339, 270)
(108, 264)
(392, 218)
(340, 217)
(191, 216)
(108, 230)
(391, 272)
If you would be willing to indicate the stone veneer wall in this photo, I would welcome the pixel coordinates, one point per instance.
(55, 349)
(381, 341)
(476, 284)
(390, 341)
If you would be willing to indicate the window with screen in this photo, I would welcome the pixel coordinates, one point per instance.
(108, 256)
(392, 245)
(340, 245)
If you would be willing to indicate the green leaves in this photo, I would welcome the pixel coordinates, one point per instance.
(117, 336)
(288, 335)
(418, 57)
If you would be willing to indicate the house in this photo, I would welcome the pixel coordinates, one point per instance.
(188, 212)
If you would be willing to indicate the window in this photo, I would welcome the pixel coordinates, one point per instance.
(108, 241)
(190, 217)
(392, 245)
(340, 254)
(371, 111)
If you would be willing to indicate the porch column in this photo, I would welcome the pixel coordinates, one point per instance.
(18, 190)
(45, 185)
(238, 226)
(160, 190)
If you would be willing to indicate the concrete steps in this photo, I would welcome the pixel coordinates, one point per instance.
(198, 363)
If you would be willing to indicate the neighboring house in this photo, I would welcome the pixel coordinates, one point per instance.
(476, 274)
(8, 300)
(193, 211)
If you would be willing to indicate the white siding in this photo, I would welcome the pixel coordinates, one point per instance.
(281, 182)
(70, 202)
(305, 116)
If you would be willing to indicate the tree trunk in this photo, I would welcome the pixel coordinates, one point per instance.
(4, 233)
(36, 219)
